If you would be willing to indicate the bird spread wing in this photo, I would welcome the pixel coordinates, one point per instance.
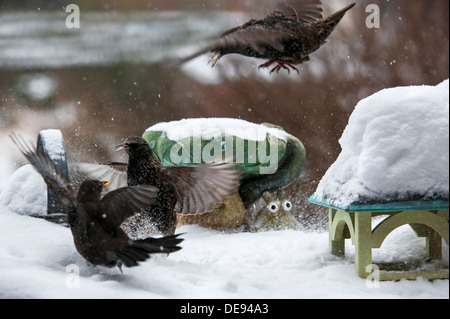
(267, 33)
(306, 11)
(49, 171)
(255, 35)
(125, 202)
(202, 188)
(120, 167)
(114, 173)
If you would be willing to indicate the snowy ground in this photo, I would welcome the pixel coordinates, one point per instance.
(35, 256)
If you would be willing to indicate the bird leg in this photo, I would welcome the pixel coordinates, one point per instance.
(282, 64)
(119, 265)
(215, 58)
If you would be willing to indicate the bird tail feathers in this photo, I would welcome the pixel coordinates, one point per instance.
(172, 65)
(168, 244)
(340, 14)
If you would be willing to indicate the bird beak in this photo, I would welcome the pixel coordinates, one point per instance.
(105, 184)
(122, 147)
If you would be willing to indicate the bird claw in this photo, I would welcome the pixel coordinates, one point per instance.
(215, 58)
(286, 65)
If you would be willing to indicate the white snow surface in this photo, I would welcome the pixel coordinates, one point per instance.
(25, 192)
(216, 127)
(38, 260)
(396, 145)
(54, 143)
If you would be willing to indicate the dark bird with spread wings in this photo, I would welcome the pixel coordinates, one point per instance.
(286, 37)
(186, 190)
(95, 221)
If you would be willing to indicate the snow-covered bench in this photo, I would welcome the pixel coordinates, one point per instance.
(394, 162)
(429, 219)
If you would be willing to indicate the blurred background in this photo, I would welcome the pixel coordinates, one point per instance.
(104, 81)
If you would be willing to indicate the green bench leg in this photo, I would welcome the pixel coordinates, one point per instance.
(358, 227)
(337, 242)
(434, 245)
(363, 244)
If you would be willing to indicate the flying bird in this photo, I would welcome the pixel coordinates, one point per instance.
(95, 221)
(286, 37)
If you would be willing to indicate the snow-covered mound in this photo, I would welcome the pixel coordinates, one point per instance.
(25, 192)
(53, 143)
(216, 127)
(395, 147)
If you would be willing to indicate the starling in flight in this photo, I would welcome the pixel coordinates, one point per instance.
(286, 37)
(95, 221)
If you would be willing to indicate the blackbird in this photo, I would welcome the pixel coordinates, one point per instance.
(186, 190)
(95, 221)
(287, 36)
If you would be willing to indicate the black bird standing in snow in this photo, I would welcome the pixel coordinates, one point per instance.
(287, 36)
(95, 222)
(185, 190)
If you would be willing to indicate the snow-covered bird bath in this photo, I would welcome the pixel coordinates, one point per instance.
(268, 158)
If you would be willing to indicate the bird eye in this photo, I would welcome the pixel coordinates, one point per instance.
(287, 206)
(273, 207)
